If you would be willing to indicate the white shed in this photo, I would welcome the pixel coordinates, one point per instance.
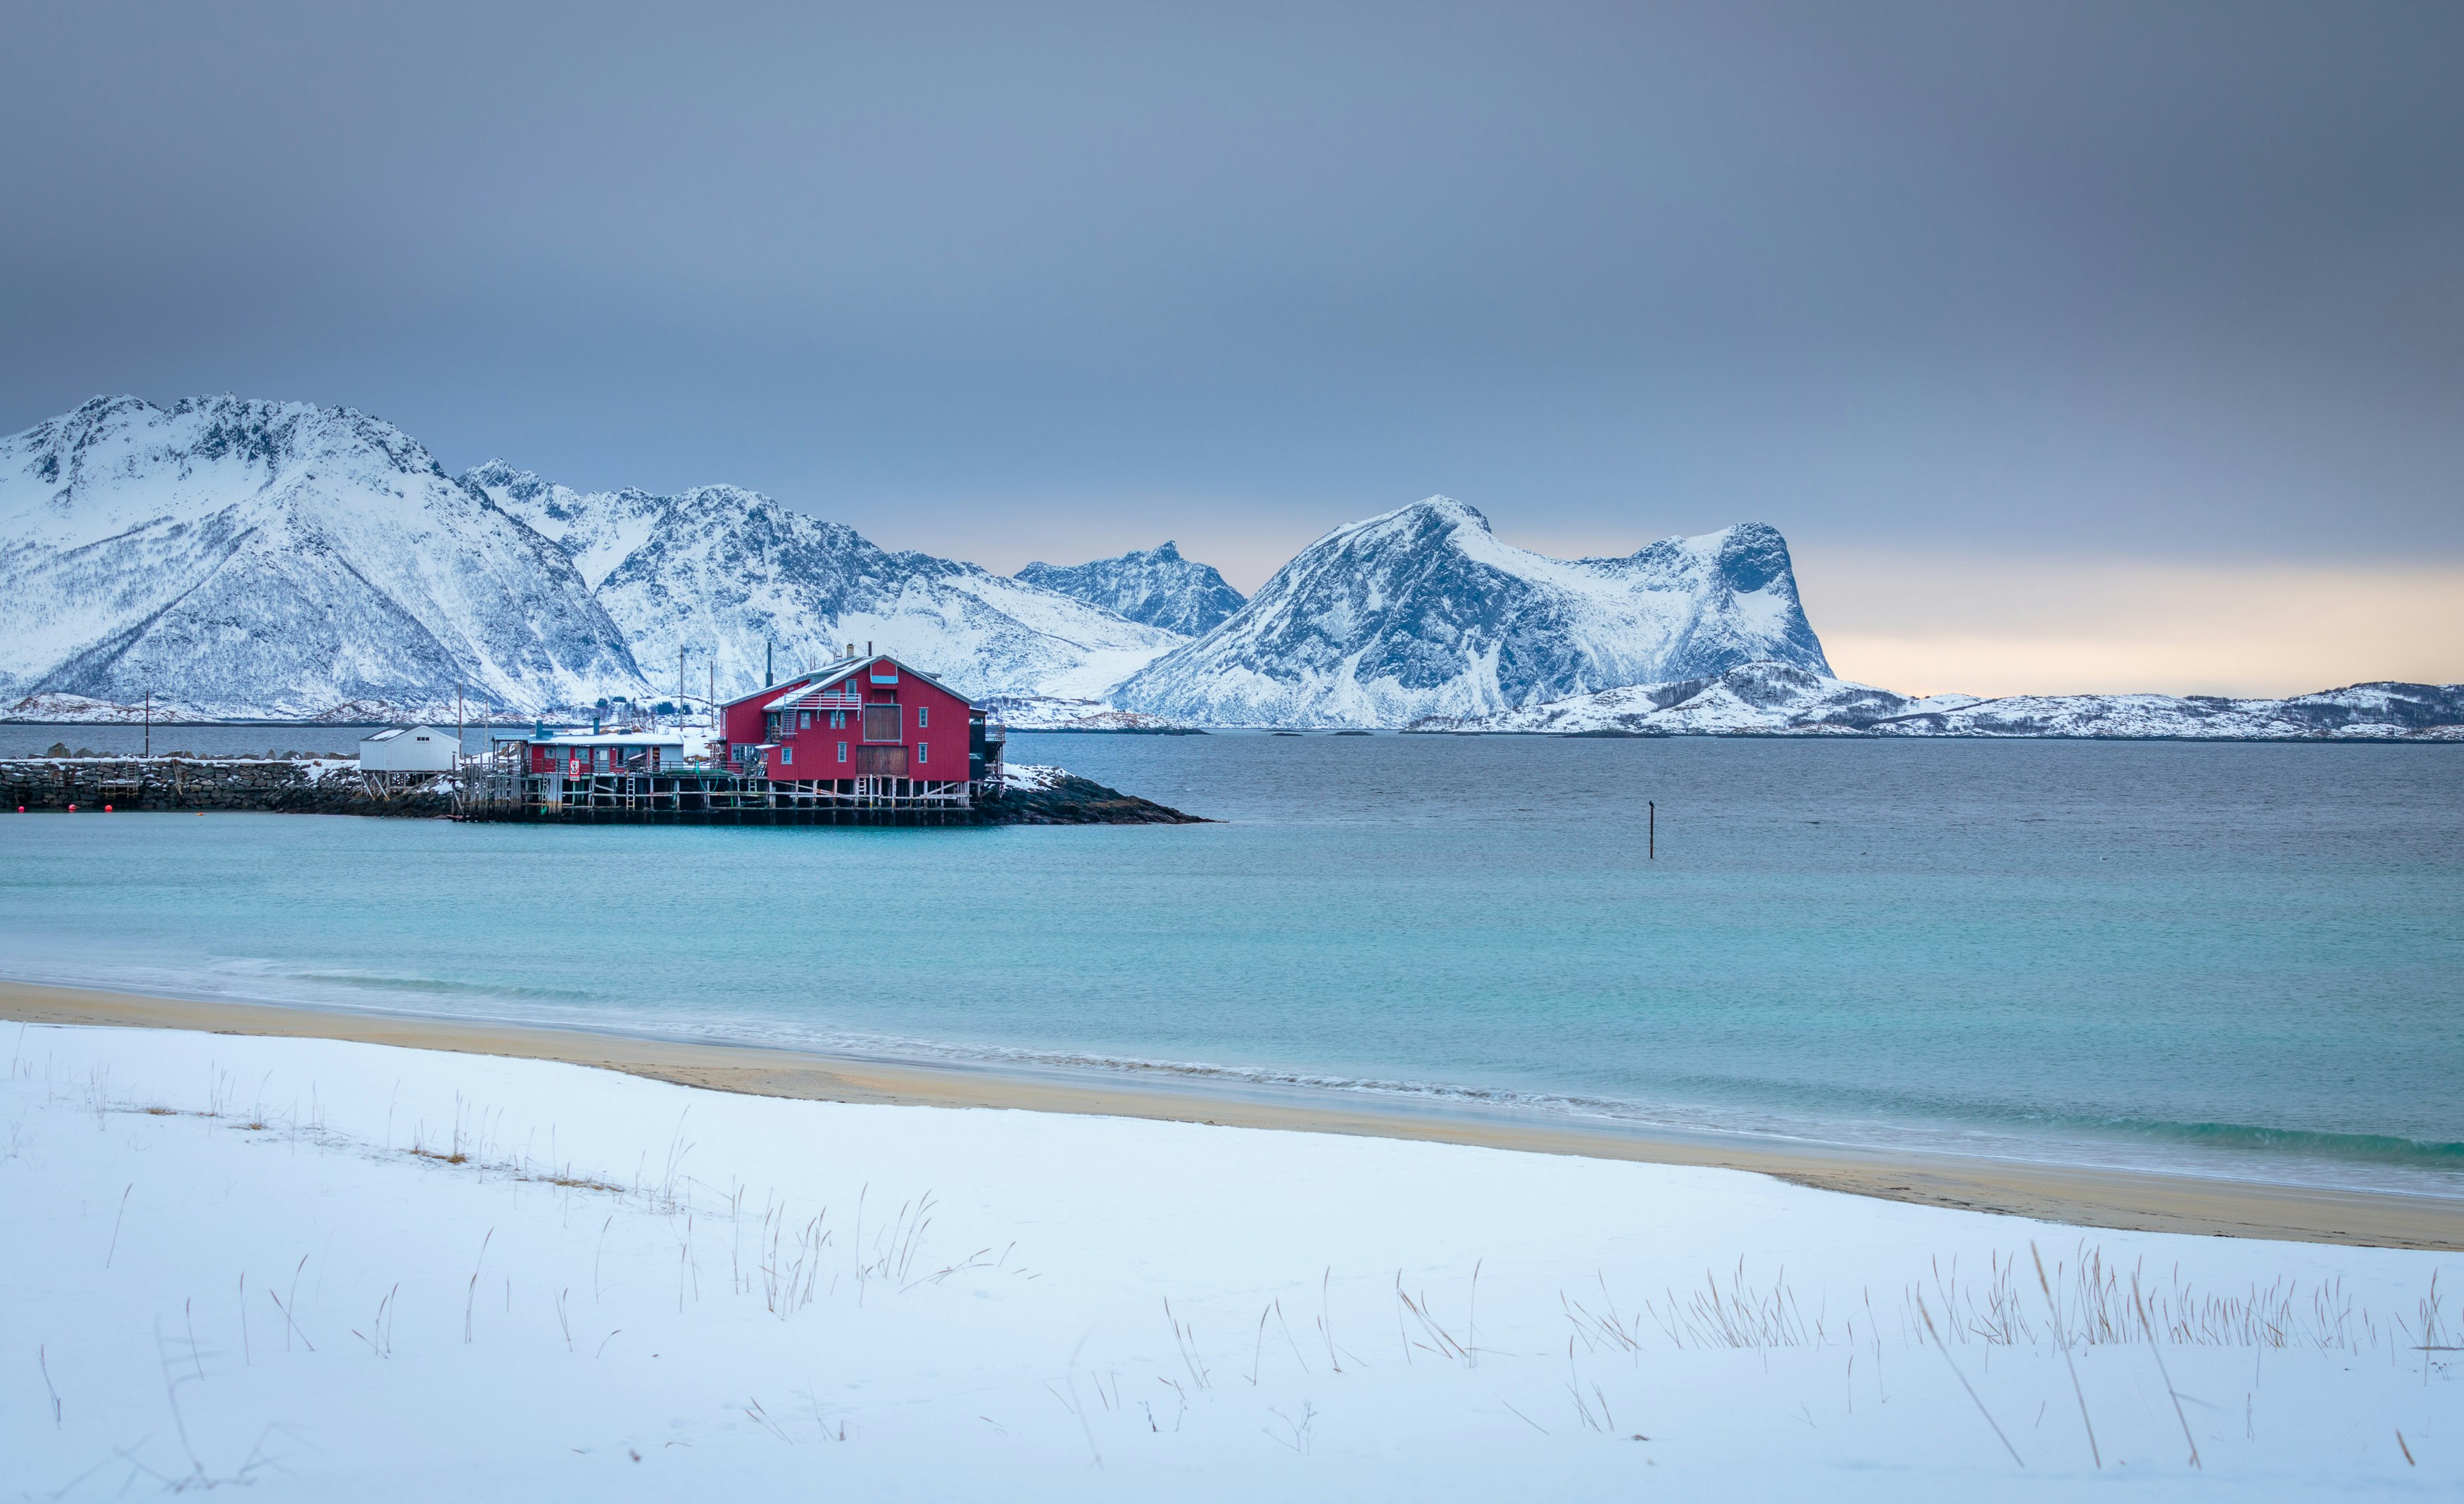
(408, 748)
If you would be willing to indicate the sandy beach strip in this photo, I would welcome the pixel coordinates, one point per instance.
(2083, 1197)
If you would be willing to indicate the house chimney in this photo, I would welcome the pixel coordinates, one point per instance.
(868, 649)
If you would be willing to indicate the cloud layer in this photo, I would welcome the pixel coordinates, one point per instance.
(2164, 285)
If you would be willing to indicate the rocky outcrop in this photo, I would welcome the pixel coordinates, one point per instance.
(1067, 799)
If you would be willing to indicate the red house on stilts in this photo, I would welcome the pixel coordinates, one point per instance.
(868, 726)
(866, 741)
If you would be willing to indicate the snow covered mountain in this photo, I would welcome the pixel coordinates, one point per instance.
(726, 570)
(1782, 699)
(1423, 611)
(277, 558)
(283, 560)
(1156, 586)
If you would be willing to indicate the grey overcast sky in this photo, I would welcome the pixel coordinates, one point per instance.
(2036, 328)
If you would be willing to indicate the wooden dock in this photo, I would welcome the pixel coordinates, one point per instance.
(693, 795)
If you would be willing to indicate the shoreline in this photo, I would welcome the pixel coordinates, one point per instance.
(2128, 1200)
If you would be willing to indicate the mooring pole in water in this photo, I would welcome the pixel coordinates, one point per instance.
(1650, 852)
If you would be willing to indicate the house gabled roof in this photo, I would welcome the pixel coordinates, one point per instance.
(836, 674)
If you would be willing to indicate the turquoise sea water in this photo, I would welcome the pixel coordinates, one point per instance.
(2245, 959)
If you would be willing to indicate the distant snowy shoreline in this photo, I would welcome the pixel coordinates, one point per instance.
(1771, 699)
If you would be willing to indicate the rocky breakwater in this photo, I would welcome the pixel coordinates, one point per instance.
(291, 785)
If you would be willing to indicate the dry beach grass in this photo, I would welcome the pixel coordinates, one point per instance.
(320, 1257)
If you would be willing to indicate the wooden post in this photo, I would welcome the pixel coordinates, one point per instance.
(1652, 851)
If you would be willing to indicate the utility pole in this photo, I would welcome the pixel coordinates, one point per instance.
(458, 730)
(1650, 852)
(680, 690)
(149, 723)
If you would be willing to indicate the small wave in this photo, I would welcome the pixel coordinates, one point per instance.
(429, 986)
(2376, 1148)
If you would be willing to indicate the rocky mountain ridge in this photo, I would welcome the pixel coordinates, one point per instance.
(282, 561)
(1425, 611)
(1156, 586)
(739, 582)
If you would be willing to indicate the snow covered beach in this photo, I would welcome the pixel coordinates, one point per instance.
(316, 1265)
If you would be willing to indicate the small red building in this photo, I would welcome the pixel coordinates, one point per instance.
(871, 717)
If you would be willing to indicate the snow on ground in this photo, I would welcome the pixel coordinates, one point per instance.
(1032, 777)
(338, 1269)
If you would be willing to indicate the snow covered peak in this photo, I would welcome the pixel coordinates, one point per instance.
(277, 558)
(128, 435)
(723, 573)
(1425, 611)
(1427, 517)
(1156, 586)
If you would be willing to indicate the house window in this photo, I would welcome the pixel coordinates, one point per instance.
(787, 755)
(803, 718)
(923, 751)
(842, 751)
(838, 722)
(923, 716)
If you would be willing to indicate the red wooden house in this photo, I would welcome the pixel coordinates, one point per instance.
(871, 717)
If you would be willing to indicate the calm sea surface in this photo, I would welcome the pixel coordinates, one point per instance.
(2246, 959)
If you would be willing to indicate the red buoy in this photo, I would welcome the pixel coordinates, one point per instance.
(73, 809)
(107, 809)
